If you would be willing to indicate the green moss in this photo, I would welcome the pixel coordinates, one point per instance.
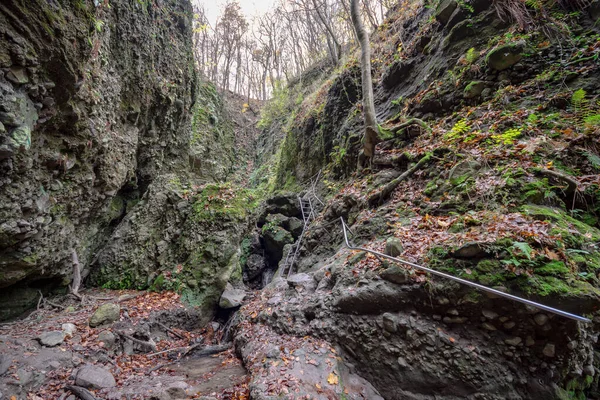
(487, 265)
(224, 201)
(574, 233)
(554, 268)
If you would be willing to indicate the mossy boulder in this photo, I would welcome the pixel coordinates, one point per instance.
(505, 56)
(474, 89)
(105, 314)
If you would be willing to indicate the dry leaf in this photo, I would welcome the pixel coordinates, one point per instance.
(333, 379)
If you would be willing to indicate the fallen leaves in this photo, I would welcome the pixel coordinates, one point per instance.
(333, 379)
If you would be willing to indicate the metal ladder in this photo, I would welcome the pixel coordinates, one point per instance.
(307, 205)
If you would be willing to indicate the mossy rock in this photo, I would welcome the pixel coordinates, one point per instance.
(474, 89)
(553, 268)
(573, 232)
(505, 56)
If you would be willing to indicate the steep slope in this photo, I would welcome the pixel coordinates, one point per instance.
(501, 188)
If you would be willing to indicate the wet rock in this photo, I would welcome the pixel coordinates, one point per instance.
(488, 326)
(395, 274)
(105, 314)
(231, 297)
(93, 377)
(509, 325)
(275, 238)
(540, 319)
(549, 350)
(505, 56)
(52, 338)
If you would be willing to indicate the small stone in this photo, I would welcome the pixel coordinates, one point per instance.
(443, 301)
(455, 320)
(69, 329)
(108, 338)
(93, 377)
(540, 319)
(509, 325)
(402, 363)
(393, 247)
(390, 323)
(106, 313)
(489, 314)
(453, 312)
(52, 338)
(514, 341)
(589, 370)
(549, 350)
(488, 326)
(474, 89)
(529, 341)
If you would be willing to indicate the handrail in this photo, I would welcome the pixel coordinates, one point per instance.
(464, 281)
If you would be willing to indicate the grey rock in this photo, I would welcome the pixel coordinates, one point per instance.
(509, 325)
(69, 329)
(489, 314)
(108, 338)
(402, 363)
(255, 264)
(474, 89)
(93, 377)
(444, 11)
(303, 280)
(470, 251)
(514, 341)
(549, 350)
(17, 75)
(488, 326)
(5, 363)
(529, 341)
(52, 338)
(231, 297)
(540, 319)
(106, 313)
(390, 323)
(589, 370)
(393, 247)
(395, 274)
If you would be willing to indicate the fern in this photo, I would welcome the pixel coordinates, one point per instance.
(472, 55)
(509, 136)
(459, 129)
(578, 98)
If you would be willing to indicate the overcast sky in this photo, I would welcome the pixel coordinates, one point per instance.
(250, 8)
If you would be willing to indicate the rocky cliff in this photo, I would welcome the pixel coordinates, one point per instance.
(102, 118)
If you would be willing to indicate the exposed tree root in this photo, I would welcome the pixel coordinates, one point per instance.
(572, 184)
(146, 344)
(380, 196)
(412, 121)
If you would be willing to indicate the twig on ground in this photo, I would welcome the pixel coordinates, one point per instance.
(209, 350)
(180, 336)
(149, 344)
(80, 392)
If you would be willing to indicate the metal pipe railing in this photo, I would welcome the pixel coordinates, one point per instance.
(464, 281)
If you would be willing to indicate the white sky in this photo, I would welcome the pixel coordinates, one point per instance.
(250, 8)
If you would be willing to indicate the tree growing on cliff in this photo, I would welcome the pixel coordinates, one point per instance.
(371, 135)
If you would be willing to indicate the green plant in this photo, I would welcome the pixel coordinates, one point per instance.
(459, 129)
(508, 137)
(472, 55)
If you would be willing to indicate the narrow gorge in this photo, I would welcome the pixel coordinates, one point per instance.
(165, 237)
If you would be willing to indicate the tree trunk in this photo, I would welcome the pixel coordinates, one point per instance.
(371, 137)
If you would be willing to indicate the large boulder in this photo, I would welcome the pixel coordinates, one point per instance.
(93, 377)
(231, 297)
(276, 238)
(255, 265)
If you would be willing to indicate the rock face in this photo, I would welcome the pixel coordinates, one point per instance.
(89, 120)
(93, 377)
(106, 313)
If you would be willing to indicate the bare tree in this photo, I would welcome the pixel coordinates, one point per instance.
(371, 135)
